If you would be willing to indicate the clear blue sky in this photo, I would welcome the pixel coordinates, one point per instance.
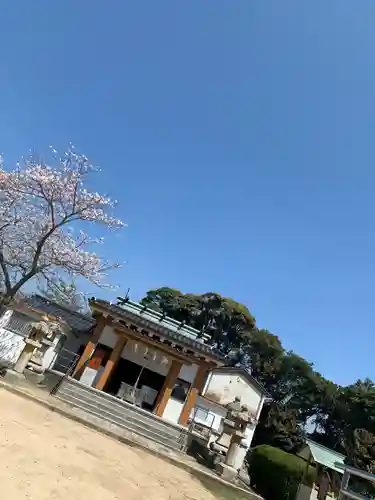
(239, 138)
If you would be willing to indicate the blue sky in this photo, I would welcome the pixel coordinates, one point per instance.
(239, 139)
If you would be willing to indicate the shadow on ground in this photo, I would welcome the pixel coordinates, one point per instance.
(221, 491)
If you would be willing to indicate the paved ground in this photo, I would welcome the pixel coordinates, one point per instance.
(46, 456)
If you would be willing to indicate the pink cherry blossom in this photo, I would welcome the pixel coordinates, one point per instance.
(39, 206)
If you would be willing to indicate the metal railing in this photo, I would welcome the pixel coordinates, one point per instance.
(345, 491)
(64, 360)
(65, 363)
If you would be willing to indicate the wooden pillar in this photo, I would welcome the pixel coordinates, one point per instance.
(111, 363)
(195, 389)
(167, 388)
(91, 345)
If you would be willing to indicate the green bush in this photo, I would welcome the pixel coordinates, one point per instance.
(275, 474)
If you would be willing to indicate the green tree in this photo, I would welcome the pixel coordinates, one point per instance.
(347, 423)
(279, 427)
(343, 418)
(165, 300)
(225, 321)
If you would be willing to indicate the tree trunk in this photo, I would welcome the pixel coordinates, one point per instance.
(6, 300)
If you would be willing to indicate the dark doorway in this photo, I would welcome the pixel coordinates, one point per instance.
(128, 372)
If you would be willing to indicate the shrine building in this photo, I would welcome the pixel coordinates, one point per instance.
(146, 358)
(141, 370)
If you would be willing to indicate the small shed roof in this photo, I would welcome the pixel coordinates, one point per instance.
(324, 456)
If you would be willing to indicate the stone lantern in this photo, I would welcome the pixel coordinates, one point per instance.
(35, 345)
(232, 437)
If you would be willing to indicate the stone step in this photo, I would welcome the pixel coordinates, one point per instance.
(122, 414)
(128, 426)
(73, 385)
(160, 440)
(131, 424)
(127, 418)
(122, 410)
(125, 412)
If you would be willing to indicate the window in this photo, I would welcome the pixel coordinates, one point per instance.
(19, 323)
(203, 416)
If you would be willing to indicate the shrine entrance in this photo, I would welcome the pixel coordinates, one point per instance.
(128, 377)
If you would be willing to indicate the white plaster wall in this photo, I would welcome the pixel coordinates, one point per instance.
(224, 387)
(142, 355)
(188, 373)
(108, 337)
(49, 357)
(89, 376)
(11, 345)
(173, 410)
(51, 353)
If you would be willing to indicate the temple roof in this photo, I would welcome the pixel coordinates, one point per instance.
(157, 322)
(78, 322)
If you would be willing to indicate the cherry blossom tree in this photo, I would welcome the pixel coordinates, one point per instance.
(43, 208)
(66, 293)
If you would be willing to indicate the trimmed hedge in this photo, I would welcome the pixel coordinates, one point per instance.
(275, 474)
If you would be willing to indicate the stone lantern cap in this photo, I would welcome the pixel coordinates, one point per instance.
(238, 413)
(41, 329)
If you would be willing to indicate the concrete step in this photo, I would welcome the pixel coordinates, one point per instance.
(125, 414)
(139, 432)
(122, 410)
(122, 414)
(143, 427)
(130, 420)
(71, 385)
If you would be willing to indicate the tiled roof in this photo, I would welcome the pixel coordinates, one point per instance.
(157, 322)
(76, 321)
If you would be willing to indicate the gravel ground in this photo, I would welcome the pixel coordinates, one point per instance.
(46, 456)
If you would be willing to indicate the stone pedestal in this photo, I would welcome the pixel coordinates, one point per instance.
(226, 472)
(26, 354)
(34, 378)
(14, 378)
(233, 451)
